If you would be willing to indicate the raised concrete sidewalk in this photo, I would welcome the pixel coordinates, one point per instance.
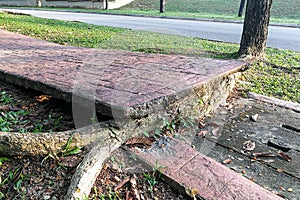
(135, 84)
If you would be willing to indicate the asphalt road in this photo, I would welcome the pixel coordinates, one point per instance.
(279, 36)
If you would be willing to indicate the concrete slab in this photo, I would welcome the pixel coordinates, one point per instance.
(193, 170)
(274, 123)
(134, 84)
(226, 130)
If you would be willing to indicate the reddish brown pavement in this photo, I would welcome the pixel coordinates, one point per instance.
(193, 170)
(113, 79)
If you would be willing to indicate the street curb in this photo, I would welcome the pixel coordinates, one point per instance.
(278, 102)
(161, 17)
(193, 171)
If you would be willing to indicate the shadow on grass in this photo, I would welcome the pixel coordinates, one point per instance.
(217, 55)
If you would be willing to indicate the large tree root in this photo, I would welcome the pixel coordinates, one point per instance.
(89, 169)
(104, 138)
(39, 144)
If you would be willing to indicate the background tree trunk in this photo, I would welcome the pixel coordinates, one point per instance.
(242, 5)
(255, 32)
(162, 6)
(106, 4)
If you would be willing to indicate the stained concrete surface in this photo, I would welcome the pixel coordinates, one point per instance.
(276, 129)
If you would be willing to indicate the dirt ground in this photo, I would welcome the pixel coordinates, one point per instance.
(48, 177)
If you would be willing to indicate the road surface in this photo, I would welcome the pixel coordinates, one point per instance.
(279, 36)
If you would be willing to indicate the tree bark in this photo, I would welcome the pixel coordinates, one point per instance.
(106, 4)
(88, 170)
(40, 144)
(242, 5)
(162, 6)
(255, 32)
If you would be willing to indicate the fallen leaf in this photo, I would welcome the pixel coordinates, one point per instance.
(227, 161)
(281, 188)
(128, 196)
(117, 179)
(121, 184)
(284, 156)
(140, 140)
(43, 98)
(251, 179)
(105, 166)
(202, 133)
(4, 107)
(14, 108)
(201, 124)
(244, 171)
(249, 146)
(264, 154)
(268, 161)
(58, 178)
(191, 192)
(70, 161)
(134, 189)
(280, 170)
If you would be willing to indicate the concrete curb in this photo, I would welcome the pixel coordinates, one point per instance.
(278, 102)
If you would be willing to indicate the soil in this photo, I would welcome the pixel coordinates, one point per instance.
(48, 177)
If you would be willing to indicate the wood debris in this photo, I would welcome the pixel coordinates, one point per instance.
(284, 156)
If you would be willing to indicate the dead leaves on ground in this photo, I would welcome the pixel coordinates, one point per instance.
(227, 161)
(144, 142)
(284, 156)
(133, 193)
(249, 146)
(191, 192)
(43, 98)
(269, 154)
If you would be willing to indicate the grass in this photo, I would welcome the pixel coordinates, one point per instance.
(287, 11)
(280, 9)
(222, 9)
(13, 178)
(278, 76)
(58, 31)
(17, 119)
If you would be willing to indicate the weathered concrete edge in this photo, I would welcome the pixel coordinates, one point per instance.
(151, 161)
(155, 105)
(272, 100)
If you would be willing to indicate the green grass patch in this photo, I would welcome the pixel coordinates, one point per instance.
(143, 41)
(278, 76)
(61, 32)
(288, 9)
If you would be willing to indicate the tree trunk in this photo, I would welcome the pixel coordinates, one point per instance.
(106, 4)
(162, 6)
(255, 32)
(242, 5)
